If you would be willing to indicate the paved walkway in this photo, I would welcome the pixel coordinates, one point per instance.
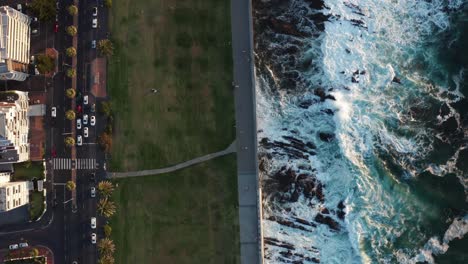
(228, 150)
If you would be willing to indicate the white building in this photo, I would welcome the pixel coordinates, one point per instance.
(14, 44)
(13, 195)
(14, 127)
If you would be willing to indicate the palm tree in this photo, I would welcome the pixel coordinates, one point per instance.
(71, 52)
(108, 3)
(106, 47)
(72, 30)
(69, 141)
(71, 185)
(106, 246)
(71, 73)
(70, 114)
(73, 10)
(71, 93)
(106, 208)
(106, 259)
(106, 188)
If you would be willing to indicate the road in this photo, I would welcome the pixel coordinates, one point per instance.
(246, 132)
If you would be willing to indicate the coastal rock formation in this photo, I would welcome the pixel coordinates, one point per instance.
(327, 137)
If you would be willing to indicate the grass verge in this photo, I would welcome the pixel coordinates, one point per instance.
(189, 216)
(36, 205)
(27, 171)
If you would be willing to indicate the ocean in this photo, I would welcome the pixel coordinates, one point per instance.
(362, 117)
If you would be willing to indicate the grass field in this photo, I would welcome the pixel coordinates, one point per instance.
(185, 217)
(36, 204)
(27, 171)
(182, 49)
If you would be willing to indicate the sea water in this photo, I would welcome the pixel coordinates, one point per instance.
(373, 94)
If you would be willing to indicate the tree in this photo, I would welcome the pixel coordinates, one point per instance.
(107, 230)
(106, 208)
(105, 108)
(44, 9)
(69, 141)
(70, 185)
(73, 10)
(45, 63)
(105, 141)
(71, 73)
(106, 259)
(71, 93)
(72, 30)
(71, 52)
(106, 188)
(108, 3)
(106, 47)
(70, 114)
(34, 252)
(106, 246)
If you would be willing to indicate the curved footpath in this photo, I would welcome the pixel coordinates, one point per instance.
(228, 150)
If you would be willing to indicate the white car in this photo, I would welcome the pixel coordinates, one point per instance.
(93, 238)
(94, 11)
(13, 247)
(79, 140)
(85, 119)
(19, 7)
(54, 111)
(94, 22)
(93, 192)
(85, 134)
(23, 245)
(85, 99)
(93, 120)
(93, 222)
(93, 44)
(78, 123)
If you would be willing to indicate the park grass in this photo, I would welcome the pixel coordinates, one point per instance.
(189, 216)
(182, 49)
(36, 205)
(27, 171)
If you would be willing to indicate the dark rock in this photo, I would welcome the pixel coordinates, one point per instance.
(331, 97)
(287, 223)
(284, 27)
(320, 92)
(356, 72)
(396, 80)
(311, 145)
(306, 104)
(304, 222)
(276, 242)
(327, 137)
(325, 211)
(328, 111)
(362, 72)
(342, 72)
(354, 80)
(347, 51)
(327, 220)
(358, 23)
(341, 213)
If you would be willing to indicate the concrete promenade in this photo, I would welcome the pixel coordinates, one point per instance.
(251, 237)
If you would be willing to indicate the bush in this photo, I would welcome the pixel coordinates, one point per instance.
(71, 93)
(71, 52)
(105, 141)
(71, 185)
(70, 114)
(71, 73)
(106, 47)
(107, 230)
(69, 141)
(73, 10)
(105, 108)
(45, 63)
(72, 30)
(43, 9)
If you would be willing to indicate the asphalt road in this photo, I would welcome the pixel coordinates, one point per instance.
(246, 132)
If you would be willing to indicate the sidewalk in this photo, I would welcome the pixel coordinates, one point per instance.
(73, 130)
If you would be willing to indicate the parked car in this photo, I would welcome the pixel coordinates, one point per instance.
(93, 192)
(85, 119)
(92, 177)
(93, 108)
(93, 222)
(93, 120)
(54, 111)
(34, 31)
(79, 140)
(19, 7)
(93, 44)
(93, 238)
(85, 99)
(94, 11)
(32, 60)
(23, 245)
(53, 152)
(56, 27)
(78, 123)
(85, 132)
(94, 22)
(13, 247)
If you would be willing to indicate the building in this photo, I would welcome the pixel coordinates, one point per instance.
(14, 44)
(14, 127)
(13, 195)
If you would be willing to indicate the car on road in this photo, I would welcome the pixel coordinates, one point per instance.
(54, 111)
(79, 140)
(23, 245)
(92, 177)
(93, 44)
(104, 166)
(78, 123)
(56, 27)
(13, 247)
(95, 11)
(85, 132)
(85, 99)
(85, 119)
(79, 109)
(93, 108)
(94, 22)
(53, 152)
(19, 7)
(93, 192)
(93, 238)
(93, 222)
(93, 120)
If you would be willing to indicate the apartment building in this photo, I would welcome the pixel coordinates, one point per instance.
(14, 44)
(13, 195)
(14, 127)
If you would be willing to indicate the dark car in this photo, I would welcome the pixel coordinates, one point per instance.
(92, 177)
(79, 109)
(54, 152)
(56, 27)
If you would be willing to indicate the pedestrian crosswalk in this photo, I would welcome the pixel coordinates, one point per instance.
(79, 164)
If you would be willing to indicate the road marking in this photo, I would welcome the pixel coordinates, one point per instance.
(79, 164)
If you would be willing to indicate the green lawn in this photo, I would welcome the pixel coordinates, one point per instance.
(27, 171)
(185, 217)
(183, 49)
(36, 204)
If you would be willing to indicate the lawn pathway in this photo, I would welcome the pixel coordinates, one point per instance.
(228, 150)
